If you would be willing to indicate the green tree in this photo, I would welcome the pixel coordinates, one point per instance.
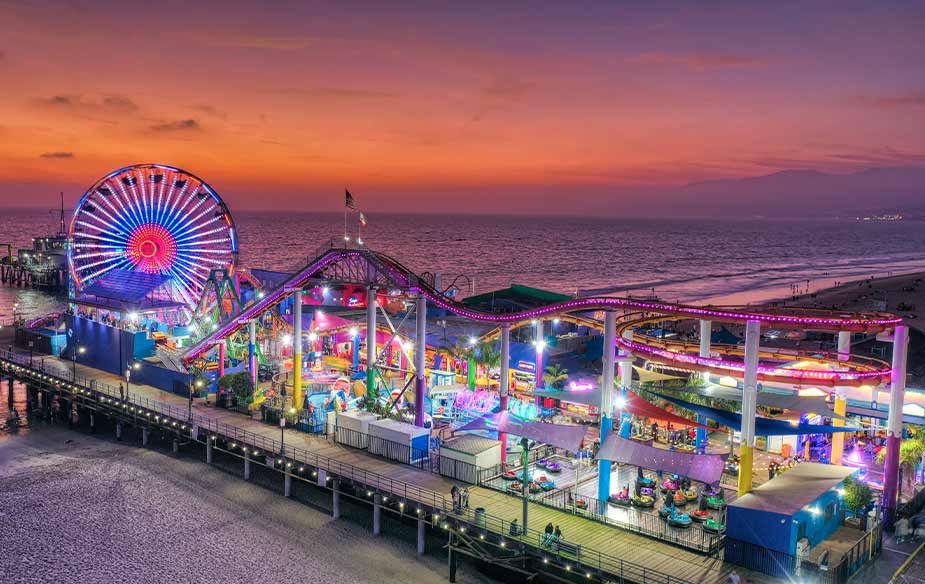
(555, 376)
(857, 495)
(488, 355)
(911, 452)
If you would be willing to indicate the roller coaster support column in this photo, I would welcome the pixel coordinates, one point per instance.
(894, 426)
(252, 350)
(626, 380)
(221, 358)
(749, 405)
(505, 381)
(297, 349)
(607, 386)
(371, 343)
(420, 359)
(838, 438)
(539, 339)
(706, 336)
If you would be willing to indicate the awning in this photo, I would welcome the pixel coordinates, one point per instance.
(763, 426)
(646, 375)
(567, 436)
(640, 407)
(816, 405)
(706, 468)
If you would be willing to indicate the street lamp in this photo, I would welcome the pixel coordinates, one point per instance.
(80, 350)
(198, 384)
(128, 375)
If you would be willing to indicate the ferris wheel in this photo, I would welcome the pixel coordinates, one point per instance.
(154, 219)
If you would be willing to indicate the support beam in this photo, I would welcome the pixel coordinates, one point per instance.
(371, 343)
(607, 390)
(377, 514)
(335, 500)
(252, 351)
(505, 381)
(626, 381)
(118, 430)
(420, 359)
(539, 340)
(145, 435)
(422, 537)
(297, 349)
(287, 482)
(209, 442)
(706, 337)
(894, 427)
(247, 467)
(749, 405)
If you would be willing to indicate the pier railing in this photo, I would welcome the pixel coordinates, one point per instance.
(54, 375)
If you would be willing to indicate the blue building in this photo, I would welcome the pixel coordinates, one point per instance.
(804, 502)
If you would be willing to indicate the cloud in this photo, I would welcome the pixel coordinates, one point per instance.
(177, 126)
(210, 110)
(79, 104)
(251, 41)
(698, 61)
(56, 155)
(336, 92)
(911, 100)
(507, 88)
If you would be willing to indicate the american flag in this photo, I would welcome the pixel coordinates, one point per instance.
(348, 200)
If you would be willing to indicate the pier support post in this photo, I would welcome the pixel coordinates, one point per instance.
(176, 446)
(420, 359)
(297, 349)
(252, 350)
(335, 500)
(451, 558)
(706, 337)
(607, 389)
(626, 380)
(287, 483)
(422, 538)
(144, 436)
(504, 389)
(840, 406)
(377, 514)
(749, 405)
(894, 428)
(209, 442)
(247, 466)
(371, 342)
(118, 430)
(10, 392)
(92, 423)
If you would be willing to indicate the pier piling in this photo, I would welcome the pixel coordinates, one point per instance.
(421, 536)
(92, 423)
(451, 559)
(209, 450)
(118, 430)
(247, 467)
(377, 514)
(144, 436)
(176, 446)
(335, 501)
(287, 484)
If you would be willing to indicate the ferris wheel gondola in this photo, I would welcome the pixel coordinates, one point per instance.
(153, 219)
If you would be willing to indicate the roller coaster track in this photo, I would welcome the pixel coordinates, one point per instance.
(382, 270)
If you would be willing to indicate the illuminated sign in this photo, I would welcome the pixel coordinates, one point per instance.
(527, 366)
(573, 386)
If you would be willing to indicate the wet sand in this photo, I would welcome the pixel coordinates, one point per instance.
(79, 508)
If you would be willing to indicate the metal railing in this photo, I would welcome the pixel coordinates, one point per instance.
(179, 418)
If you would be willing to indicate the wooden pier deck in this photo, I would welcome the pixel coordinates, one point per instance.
(647, 552)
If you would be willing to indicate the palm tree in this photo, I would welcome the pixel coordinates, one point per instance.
(463, 350)
(488, 355)
(555, 376)
(910, 455)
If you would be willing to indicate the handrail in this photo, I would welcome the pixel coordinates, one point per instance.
(408, 491)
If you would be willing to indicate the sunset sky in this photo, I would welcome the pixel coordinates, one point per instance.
(441, 106)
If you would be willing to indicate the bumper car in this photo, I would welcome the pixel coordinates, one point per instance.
(669, 485)
(642, 501)
(647, 491)
(716, 502)
(510, 476)
(679, 499)
(700, 516)
(541, 463)
(534, 487)
(547, 485)
(690, 494)
(711, 491)
(713, 526)
(684, 448)
(554, 467)
(666, 512)
(679, 520)
(581, 504)
(619, 499)
(515, 487)
(646, 482)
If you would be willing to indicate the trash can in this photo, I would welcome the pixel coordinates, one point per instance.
(480, 516)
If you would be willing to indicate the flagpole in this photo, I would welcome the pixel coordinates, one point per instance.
(346, 237)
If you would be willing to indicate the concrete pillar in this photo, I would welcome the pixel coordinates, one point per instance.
(749, 405)
(287, 482)
(145, 433)
(118, 430)
(844, 345)
(540, 342)
(607, 391)
(335, 501)
(252, 350)
(209, 442)
(422, 538)
(505, 381)
(894, 427)
(706, 336)
(247, 467)
(176, 446)
(297, 349)
(92, 423)
(371, 342)
(377, 514)
(452, 559)
(420, 359)
(626, 381)
(838, 438)
(221, 358)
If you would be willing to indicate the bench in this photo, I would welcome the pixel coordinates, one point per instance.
(561, 546)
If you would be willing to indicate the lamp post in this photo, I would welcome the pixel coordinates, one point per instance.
(198, 383)
(128, 376)
(74, 354)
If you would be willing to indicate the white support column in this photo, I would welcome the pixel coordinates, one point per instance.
(844, 345)
(539, 340)
(606, 413)
(377, 514)
(420, 359)
(505, 387)
(706, 335)
(247, 466)
(749, 405)
(894, 425)
(421, 536)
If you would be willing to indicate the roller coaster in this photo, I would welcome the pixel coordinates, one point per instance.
(367, 267)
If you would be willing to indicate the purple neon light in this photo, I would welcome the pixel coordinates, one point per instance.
(402, 274)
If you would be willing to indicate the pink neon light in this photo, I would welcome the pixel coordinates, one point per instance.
(580, 386)
(151, 248)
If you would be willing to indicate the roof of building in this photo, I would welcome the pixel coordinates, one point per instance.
(518, 294)
(125, 287)
(470, 444)
(796, 488)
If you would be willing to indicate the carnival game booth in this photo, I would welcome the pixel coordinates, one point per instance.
(804, 502)
(353, 428)
(399, 441)
(466, 457)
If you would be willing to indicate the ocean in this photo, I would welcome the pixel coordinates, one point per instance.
(723, 261)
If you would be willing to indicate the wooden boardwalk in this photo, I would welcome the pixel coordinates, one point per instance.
(650, 553)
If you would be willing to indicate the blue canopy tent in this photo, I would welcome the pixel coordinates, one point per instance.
(763, 426)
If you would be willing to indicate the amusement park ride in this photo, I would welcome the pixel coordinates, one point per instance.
(156, 246)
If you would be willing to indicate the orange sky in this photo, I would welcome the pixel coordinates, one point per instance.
(281, 107)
